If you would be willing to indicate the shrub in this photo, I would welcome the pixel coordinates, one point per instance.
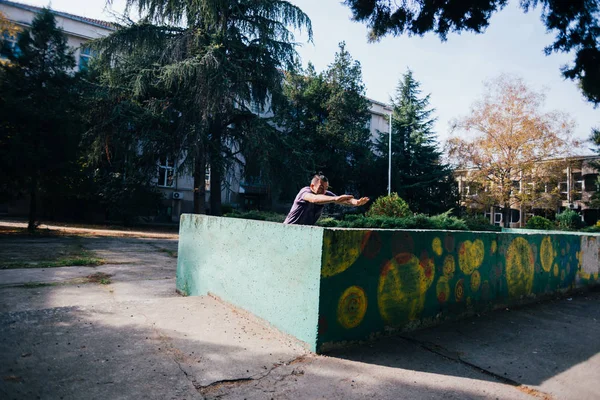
(480, 223)
(537, 222)
(257, 215)
(569, 220)
(389, 206)
(418, 221)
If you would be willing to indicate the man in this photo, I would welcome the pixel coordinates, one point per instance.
(309, 203)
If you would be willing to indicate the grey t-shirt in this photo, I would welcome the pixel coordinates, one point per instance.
(304, 212)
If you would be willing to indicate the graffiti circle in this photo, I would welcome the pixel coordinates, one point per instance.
(352, 307)
(475, 281)
(519, 267)
(493, 247)
(343, 248)
(403, 283)
(470, 256)
(555, 270)
(459, 290)
(449, 266)
(436, 246)
(546, 253)
(442, 289)
(371, 244)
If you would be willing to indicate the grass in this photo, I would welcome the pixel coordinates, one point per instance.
(98, 277)
(171, 253)
(45, 254)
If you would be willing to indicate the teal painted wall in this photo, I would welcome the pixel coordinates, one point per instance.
(377, 281)
(269, 269)
(328, 286)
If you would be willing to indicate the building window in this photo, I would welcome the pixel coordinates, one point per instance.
(207, 179)
(10, 45)
(85, 55)
(166, 172)
(591, 182)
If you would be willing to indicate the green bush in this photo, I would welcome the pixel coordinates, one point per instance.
(480, 223)
(418, 221)
(537, 222)
(593, 229)
(257, 215)
(569, 220)
(389, 206)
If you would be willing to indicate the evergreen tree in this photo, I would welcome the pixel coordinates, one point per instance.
(325, 125)
(575, 24)
(347, 124)
(210, 62)
(39, 128)
(418, 174)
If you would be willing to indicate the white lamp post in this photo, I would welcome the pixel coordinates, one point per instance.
(390, 158)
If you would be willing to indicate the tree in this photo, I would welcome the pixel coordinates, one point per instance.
(595, 139)
(418, 174)
(508, 141)
(7, 27)
(325, 125)
(39, 134)
(210, 62)
(575, 23)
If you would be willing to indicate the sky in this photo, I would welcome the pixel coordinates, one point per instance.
(452, 72)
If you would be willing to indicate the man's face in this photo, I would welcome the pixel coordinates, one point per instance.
(319, 188)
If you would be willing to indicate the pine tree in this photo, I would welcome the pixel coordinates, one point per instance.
(418, 174)
(211, 60)
(39, 134)
(325, 125)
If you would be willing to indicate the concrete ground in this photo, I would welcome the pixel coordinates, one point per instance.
(63, 336)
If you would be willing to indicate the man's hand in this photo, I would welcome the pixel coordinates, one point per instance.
(359, 202)
(344, 199)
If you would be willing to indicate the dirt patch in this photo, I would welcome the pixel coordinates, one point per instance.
(99, 277)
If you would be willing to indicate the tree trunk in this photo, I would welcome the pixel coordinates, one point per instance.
(215, 170)
(506, 215)
(32, 205)
(199, 184)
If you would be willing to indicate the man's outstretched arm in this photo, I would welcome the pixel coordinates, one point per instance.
(324, 199)
(354, 202)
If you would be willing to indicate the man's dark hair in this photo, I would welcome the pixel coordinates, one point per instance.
(319, 176)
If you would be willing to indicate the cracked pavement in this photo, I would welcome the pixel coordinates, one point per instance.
(137, 338)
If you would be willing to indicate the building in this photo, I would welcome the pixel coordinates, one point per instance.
(568, 183)
(178, 189)
(79, 30)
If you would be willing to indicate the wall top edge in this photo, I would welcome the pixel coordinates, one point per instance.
(506, 231)
(543, 232)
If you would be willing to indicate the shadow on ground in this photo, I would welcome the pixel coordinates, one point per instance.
(135, 338)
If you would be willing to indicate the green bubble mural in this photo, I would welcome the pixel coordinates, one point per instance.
(416, 278)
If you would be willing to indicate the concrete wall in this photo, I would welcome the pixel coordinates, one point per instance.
(377, 281)
(357, 284)
(267, 268)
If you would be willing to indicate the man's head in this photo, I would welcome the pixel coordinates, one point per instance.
(319, 184)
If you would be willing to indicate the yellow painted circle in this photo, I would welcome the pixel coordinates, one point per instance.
(449, 266)
(352, 307)
(475, 281)
(459, 290)
(442, 289)
(340, 250)
(555, 270)
(546, 253)
(519, 267)
(403, 284)
(436, 246)
(494, 247)
(470, 256)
